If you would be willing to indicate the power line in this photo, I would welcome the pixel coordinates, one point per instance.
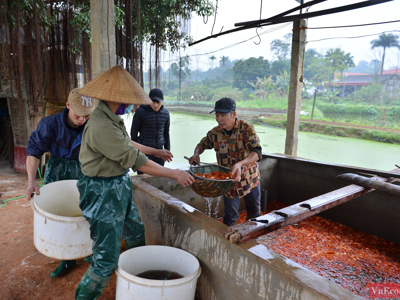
(352, 37)
(287, 24)
(357, 25)
(235, 44)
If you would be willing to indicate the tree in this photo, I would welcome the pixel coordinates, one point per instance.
(175, 70)
(281, 48)
(310, 56)
(385, 41)
(263, 87)
(198, 92)
(55, 32)
(184, 66)
(223, 60)
(348, 62)
(182, 70)
(280, 66)
(212, 58)
(361, 67)
(322, 70)
(375, 65)
(338, 60)
(248, 70)
(282, 83)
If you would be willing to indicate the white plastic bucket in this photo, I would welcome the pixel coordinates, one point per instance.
(146, 258)
(60, 231)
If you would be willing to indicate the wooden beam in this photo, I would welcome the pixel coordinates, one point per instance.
(314, 14)
(276, 17)
(370, 182)
(265, 22)
(296, 86)
(102, 21)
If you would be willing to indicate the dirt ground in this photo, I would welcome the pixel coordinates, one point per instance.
(24, 272)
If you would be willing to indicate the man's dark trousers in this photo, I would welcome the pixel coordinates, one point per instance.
(252, 202)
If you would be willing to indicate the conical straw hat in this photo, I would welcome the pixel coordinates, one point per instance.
(116, 85)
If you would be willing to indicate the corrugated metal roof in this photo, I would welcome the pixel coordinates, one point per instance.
(362, 79)
(393, 71)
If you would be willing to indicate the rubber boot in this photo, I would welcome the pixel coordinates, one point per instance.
(64, 266)
(91, 286)
(137, 243)
(88, 259)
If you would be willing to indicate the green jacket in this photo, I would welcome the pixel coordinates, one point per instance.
(106, 148)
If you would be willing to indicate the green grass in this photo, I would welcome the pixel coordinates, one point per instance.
(337, 130)
(176, 102)
(273, 103)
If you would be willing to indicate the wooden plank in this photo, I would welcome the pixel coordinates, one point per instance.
(297, 212)
(19, 121)
(20, 159)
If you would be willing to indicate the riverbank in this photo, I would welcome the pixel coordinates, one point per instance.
(370, 133)
(270, 118)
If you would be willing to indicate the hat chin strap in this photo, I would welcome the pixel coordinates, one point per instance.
(86, 101)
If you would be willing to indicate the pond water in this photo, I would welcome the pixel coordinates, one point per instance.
(186, 131)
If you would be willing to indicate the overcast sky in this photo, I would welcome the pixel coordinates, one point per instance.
(233, 11)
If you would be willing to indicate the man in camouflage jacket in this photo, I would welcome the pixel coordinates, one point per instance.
(237, 146)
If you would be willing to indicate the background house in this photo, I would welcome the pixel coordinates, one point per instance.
(352, 82)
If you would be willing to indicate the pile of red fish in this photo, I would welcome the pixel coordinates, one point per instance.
(348, 257)
(217, 175)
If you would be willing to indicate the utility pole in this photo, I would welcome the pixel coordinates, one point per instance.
(180, 74)
(313, 105)
(296, 86)
(104, 55)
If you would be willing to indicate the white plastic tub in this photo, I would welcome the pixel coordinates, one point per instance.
(146, 258)
(60, 231)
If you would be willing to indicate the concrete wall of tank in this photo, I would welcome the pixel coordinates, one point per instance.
(172, 216)
(375, 213)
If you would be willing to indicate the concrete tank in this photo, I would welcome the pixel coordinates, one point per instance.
(173, 216)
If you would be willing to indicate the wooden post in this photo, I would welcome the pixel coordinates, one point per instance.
(296, 86)
(102, 21)
(313, 105)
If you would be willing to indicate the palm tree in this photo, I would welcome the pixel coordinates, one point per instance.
(386, 41)
(223, 60)
(348, 63)
(212, 63)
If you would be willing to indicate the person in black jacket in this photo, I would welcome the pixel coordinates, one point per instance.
(150, 125)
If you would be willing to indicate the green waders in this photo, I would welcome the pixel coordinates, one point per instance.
(62, 169)
(107, 205)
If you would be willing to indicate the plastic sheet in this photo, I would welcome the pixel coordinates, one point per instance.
(107, 205)
(58, 168)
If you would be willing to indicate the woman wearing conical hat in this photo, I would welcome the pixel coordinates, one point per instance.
(107, 153)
